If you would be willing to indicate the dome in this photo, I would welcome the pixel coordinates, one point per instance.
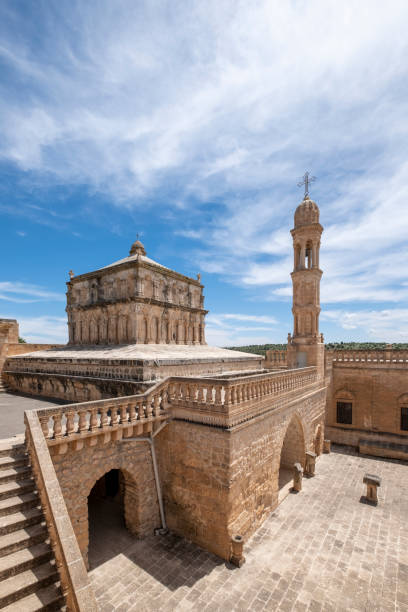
(306, 213)
(137, 248)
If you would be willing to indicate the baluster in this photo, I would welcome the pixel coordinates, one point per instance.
(218, 399)
(209, 396)
(156, 405)
(149, 407)
(200, 394)
(227, 396)
(132, 412)
(140, 410)
(44, 426)
(123, 414)
(83, 423)
(114, 415)
(70, 423)
(94, 419)
(57, 426)
(104, 417)
(164, 404)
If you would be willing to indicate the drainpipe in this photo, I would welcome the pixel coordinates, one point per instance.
(163, 530)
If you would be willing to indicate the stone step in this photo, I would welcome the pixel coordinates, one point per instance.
(11, 505)
(20, 520)
(13, 447)
(8, 461)
(49, 598)
(18, 473)
(23, 538)
(16, 587)
(10, 489)
(25, 559)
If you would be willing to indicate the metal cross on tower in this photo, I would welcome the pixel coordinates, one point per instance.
(306, 180)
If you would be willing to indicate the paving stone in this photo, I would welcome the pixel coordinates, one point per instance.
(292, 562)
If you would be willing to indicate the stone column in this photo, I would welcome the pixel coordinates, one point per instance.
(310, 464)
(297, 477)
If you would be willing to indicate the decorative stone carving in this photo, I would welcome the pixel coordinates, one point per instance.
(98, 304)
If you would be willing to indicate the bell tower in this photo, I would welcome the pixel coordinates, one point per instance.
(306, 345)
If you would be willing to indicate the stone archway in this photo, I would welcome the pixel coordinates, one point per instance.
(113, 511)
(293, 451)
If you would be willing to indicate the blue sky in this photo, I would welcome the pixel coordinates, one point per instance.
(190, 123)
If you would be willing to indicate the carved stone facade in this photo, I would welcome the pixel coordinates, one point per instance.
(135, 301)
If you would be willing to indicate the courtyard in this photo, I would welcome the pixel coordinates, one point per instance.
(322, 549)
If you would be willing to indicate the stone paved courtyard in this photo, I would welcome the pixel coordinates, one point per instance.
(322, 549)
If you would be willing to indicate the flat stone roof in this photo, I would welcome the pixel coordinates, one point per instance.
(160, 353)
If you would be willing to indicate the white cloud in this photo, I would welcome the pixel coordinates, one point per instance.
(12, 292)
(228, 102)
(42, 330)
(222, 330)
(389, 325)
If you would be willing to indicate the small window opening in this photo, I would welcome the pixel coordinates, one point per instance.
(345, 413)
(404, 418)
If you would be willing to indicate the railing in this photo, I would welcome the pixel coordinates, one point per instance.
(75, 583)
(379, 356)
(217, 401)
(228, 402)
(276, 358)
(116, 416)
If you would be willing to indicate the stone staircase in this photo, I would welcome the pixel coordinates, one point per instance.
(29, 578)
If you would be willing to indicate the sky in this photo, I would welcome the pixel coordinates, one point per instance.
(190, 123)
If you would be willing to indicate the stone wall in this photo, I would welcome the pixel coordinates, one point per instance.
(220, 482)
(70, 388)
(78, 471)
(377, 390)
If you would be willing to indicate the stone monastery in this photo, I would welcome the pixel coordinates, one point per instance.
(203, 441)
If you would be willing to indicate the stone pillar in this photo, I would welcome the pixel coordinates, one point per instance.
(297, 477)
(326, 446)
(373, 482)
(237, 545)
(310, 463)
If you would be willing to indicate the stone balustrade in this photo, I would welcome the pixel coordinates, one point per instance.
(112, 418)
(276, 358)
(227, 402)
(379, 356)
(223, 402)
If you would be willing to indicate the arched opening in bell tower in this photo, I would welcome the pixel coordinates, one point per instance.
(309, 255)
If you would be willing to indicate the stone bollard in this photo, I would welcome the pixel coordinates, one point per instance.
(297, 477)
(373, 482)
(237, 557)
(310, 463)
(326, 446)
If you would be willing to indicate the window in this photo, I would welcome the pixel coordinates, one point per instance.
(345, 413)
(404, 418)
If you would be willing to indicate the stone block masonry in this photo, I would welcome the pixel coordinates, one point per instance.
(78, 471)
